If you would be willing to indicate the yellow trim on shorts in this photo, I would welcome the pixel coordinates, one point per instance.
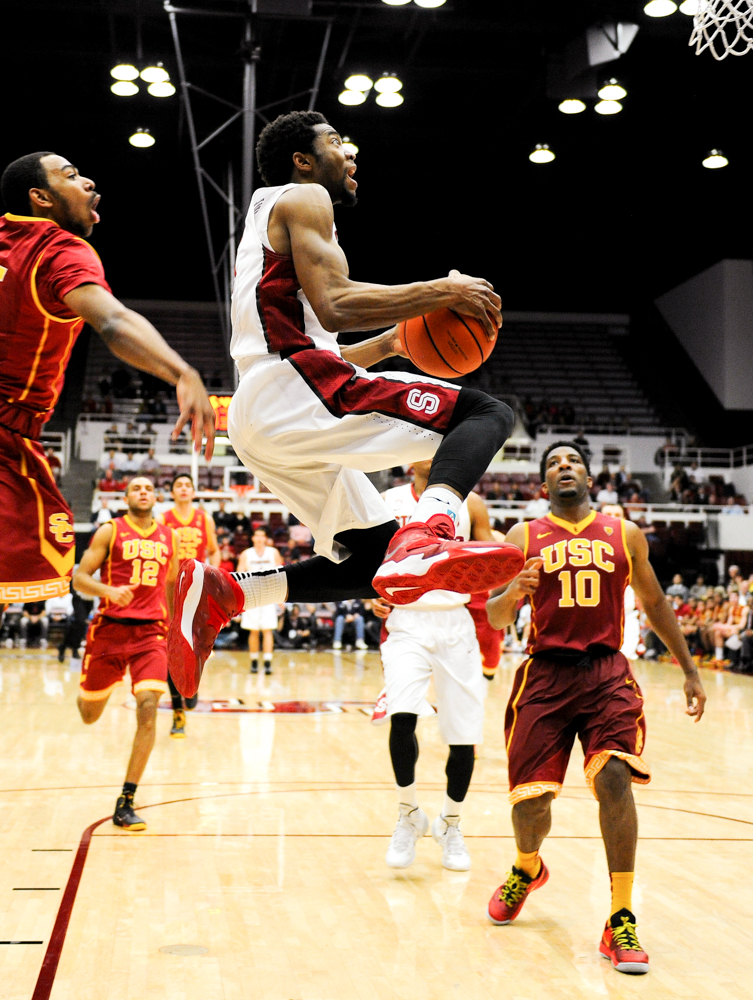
(533, 789)
(640, 769)
(36, 590)
(517, 699)
(154, 685)
(98, 695)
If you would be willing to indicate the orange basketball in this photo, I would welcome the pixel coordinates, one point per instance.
(445, 344)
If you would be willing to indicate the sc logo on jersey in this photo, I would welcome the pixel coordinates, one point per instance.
(428, 402)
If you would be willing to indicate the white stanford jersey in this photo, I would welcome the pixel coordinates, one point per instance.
(270, 313)
(402, 501)
(256, 563)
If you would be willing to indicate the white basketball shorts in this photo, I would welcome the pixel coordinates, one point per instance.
(310, 427)
(443, 644)
(260, 619)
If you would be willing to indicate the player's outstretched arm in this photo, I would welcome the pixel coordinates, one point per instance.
(662, 618)
(134, 340)
(91, 561)
(172, 576)
(481, 529)
(213, 549)
(306, 214)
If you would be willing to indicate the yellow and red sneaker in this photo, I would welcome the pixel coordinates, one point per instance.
(507, 901)
(619, 943)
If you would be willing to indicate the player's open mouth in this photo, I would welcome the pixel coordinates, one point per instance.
(93, 207)
(566, 479)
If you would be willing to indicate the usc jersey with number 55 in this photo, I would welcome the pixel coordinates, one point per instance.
(579, 603)
(139, 559)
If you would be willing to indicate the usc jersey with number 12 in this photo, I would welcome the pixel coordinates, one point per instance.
(579, 603)
(140, 558)
(192, 535)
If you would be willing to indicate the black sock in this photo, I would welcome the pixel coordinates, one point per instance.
(403, 747)
(175, 695)
(129, 789)
(459, 771)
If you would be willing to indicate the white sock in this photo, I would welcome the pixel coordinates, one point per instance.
(436, 500)
(268, 587)
(451, 807)
(407, 795)
(267, 657)
(719, 652)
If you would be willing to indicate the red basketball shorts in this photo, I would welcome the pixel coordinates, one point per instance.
(38, 544)
(551, 704)
(489, 639)
(112, 646)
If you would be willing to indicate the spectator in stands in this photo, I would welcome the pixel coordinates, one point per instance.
(666, 453)
(161, 505)
(735, 583)
(604, 478)
(103, 514)
(239, 523)
(34, 622)
(347, 612)
(728, 627)
(537, 507)
(607, 494)
(150, 466)
(731, 506)
(677, 587)
(104, 386)
(113, 459)
(109, 484)
(745, 665)
(699, 590)
(131, 465)
(299, 626)
(299, 534)
(54, 463)
(224, 518)
(228, 561)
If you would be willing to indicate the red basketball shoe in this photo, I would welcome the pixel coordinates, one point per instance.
(419, 559)
(206, 599)
(619, 943)
(507, 901)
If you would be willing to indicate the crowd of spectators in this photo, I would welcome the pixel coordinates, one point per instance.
(689, 485)
(152, 392)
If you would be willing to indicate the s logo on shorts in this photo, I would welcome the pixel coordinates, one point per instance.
(426, 401)
(60, 527)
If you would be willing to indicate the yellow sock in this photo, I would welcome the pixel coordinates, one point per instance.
(529, 863)
(622, 891)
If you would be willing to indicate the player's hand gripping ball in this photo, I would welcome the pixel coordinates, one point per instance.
(445, 344)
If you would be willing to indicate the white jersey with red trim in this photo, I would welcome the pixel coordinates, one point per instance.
(402, 502)
(270, 312)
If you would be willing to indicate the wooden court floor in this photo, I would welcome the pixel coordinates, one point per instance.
(266, 843)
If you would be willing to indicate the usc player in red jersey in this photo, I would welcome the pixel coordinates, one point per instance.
(197, 539)
(138, 562)
(575, 681)
(51, 282)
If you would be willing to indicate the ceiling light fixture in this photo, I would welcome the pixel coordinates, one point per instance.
(359, 81)
(142, 138)
(161, 89)
(541, 153)
(124, 88)
(390, 100)
(612, 91)
(351, 97)
(608, 107)
(572, 106)
(396, 3)
(660, 8)
(155, 74)
(388, 83)
(689, 7)
(715, 159)
(430, 3)
(124, 71)
(349, 146)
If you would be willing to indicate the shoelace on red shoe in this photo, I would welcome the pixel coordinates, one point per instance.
(514, 888)
(625, 937)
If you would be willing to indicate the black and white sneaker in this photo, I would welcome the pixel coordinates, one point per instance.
(125, 816)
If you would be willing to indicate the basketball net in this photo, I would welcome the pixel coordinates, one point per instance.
(724, 27)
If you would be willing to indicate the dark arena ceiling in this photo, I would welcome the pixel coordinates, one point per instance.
(624, 212)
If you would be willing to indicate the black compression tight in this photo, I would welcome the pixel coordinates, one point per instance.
(404, 754)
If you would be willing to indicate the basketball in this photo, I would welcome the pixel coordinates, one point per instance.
(445, 344)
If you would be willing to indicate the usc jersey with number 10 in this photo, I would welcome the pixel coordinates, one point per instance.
(579, 603)
(141, 559)
(192, 535)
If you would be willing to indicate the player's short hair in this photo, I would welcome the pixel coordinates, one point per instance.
(182, 475)
(133, 479)
(287, 134)
(563, 444)
(262, 527)
(19, 177)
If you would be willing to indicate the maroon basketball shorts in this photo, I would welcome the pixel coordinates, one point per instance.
(489, 639)
(112, 646)
(551, 704)
(38, 544)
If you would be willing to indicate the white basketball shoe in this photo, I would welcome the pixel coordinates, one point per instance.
(446, 831)
(412, 824)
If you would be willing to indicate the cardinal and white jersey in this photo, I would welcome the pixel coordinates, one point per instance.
(402, 502)
(270, 311)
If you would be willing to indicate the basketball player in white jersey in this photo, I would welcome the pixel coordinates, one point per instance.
(260, 557)
(631, 632)
(310, 421)
(435, 636)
